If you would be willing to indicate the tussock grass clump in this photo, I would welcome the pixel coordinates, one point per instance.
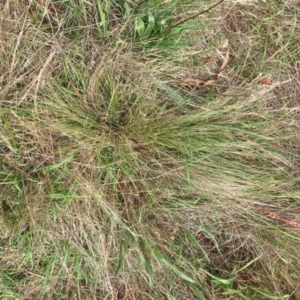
(119, 179)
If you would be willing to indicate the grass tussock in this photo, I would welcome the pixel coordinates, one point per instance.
(146, 158)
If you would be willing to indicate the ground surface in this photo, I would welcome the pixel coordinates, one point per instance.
(145, 154)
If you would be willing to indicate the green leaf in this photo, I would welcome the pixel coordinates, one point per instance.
(120, 260)
(180, 28)
(174, 268)
(145, 6)
(127, 10)
(218, 279)
(63, 162)
(150, 27)
(140, 26)
(195, 242)
(145, 261)
(175, 44)
(102, 16)
(196, 291)
(248, 264)
(174, 94)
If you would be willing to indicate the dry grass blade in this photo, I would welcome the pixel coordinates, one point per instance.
(162, 166)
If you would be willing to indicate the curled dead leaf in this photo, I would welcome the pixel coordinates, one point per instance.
(210, 82)
(265, 82)
(192, 82)
(225, 62)
(275, 216)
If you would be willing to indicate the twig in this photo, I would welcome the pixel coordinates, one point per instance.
(194, 16)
